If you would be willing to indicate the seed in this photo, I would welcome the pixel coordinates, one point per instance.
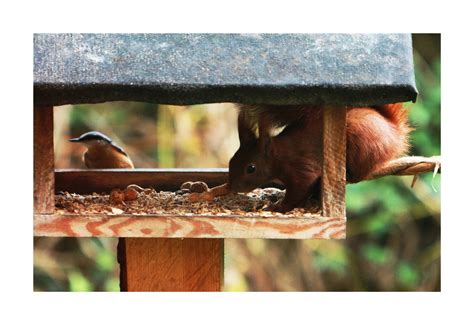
(199, 187)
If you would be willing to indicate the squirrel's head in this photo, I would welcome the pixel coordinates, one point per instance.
(250, 166)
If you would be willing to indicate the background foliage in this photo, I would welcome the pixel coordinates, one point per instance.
(393, 239)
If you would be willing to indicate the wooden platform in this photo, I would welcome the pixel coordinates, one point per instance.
(172, 226)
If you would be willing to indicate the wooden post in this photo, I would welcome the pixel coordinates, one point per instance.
(171, 264)
(334, 162)
(43, 177)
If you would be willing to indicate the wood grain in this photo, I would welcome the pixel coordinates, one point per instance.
(334, 162)
(43, 176)
(411, 165)
(171, 264)
(104, 180)
(189, 226)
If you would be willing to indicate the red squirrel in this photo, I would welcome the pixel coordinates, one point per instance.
(375, 135)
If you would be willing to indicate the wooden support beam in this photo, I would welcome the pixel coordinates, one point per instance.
(334, 162)
(171, 264)
(83, 181)
(43, 176)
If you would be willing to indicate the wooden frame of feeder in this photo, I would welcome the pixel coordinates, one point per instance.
(182, 252)
(329, 224)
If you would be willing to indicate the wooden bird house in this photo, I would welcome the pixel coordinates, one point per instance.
(333, 70)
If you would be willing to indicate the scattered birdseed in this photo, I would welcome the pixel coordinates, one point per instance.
(152, 202)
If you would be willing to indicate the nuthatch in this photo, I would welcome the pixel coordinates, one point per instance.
(102, 152)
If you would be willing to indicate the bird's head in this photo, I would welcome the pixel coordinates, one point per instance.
(93, 138)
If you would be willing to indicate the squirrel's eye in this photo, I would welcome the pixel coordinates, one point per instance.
(251, 169)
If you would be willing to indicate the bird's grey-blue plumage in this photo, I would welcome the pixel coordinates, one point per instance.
(96, 135)
(92, 135)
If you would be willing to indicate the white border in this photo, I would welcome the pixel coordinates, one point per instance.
(20, 20)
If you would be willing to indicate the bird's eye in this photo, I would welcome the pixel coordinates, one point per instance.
(251, 169)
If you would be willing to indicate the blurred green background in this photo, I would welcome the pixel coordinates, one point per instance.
(393, 230)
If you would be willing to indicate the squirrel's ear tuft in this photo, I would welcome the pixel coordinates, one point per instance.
(245, 131)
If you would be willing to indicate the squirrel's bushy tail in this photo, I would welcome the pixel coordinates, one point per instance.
(398, 115)
(375, 136)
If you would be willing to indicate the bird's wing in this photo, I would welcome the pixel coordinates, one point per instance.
(118, 148)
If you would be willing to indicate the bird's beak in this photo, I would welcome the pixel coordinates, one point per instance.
(74, 140)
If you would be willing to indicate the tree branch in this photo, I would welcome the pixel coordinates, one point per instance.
(411, 165)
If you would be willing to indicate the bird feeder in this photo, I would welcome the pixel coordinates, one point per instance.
(333, 70)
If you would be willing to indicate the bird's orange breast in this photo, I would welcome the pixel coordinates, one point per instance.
(106, 157)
